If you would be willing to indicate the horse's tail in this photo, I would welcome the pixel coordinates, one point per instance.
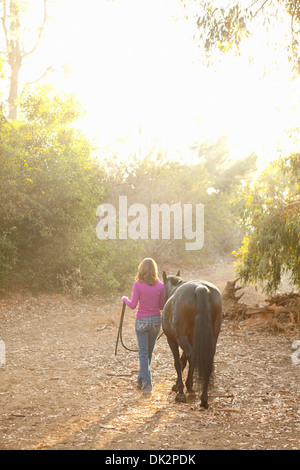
(203, 343)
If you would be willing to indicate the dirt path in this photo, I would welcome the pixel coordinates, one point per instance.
(63, 388)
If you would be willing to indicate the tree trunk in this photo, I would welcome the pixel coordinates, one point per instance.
(14, 54)
(13, 91)
(14, 38)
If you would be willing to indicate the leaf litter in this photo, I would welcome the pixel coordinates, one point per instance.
(62, 387)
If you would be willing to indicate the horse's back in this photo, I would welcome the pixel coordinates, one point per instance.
(181, 307)
(215, 306)
(186, 292)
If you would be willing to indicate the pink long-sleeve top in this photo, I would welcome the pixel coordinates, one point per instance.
(150, 299)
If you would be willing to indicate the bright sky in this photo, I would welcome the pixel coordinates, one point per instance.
(138, 73)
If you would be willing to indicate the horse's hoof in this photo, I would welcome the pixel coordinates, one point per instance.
(181, 398)
(204, 405)
(191, 396)
(175, 388)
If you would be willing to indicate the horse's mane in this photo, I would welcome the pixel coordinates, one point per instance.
(175, 280)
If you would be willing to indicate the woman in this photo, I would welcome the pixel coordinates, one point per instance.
(148, 293)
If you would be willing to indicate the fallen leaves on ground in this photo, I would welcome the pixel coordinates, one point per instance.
(62, 387)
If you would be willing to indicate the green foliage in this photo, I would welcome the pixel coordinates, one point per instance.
(50, 186)
(7, 253)
(212, 181)
(225, 174)
(269, 213)
(105, 266)
(224, 27)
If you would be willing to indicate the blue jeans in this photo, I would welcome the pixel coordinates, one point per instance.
(147, 330)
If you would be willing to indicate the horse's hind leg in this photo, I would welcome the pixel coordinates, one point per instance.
(190, 379)
(186, 346)
(178, 387)
(183, 360)
(204, 396)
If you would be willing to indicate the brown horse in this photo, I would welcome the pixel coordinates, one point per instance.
(192, 319)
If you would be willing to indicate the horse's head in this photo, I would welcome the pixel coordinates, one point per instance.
(171, 283)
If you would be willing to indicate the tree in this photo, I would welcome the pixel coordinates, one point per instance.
(157, 180)
(15, 53)
(224, 26)
(225, 173)
(51, 184)
(269, 214)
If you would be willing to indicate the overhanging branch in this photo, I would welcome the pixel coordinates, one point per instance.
(41, 30)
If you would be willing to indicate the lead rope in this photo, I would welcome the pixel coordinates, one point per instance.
(120, 333)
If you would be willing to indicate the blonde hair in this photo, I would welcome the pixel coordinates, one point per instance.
(147, 272)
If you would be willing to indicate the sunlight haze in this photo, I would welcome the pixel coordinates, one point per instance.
(137, 70)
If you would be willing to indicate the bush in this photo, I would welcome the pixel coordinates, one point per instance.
(51, 184)
(269, 214)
